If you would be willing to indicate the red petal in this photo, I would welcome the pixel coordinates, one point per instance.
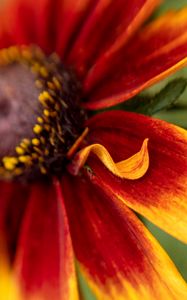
(13, 201)
(32, 24)
(156, 51)
(161, 195)
(18, 24)
(5, 39)
(107, 28)
(71, 18)
(45, 261)
(117, 255)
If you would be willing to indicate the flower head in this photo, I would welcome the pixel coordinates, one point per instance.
(70, 181)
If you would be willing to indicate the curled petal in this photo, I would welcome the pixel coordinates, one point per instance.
(132, 168)
(160, 195)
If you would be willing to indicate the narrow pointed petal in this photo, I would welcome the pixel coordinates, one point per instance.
(161, 194)
(116, 254)
(116, 20)
(44, 264)
(71, 19)
(158, 50)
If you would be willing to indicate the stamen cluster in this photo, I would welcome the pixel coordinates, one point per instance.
(59, 122)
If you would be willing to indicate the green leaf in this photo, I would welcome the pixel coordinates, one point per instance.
(85, 291)
(177, 116)
(175, 249)
(172, 4)
(163, 100)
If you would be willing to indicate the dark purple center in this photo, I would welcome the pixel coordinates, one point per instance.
(18, 107)
(40, 115)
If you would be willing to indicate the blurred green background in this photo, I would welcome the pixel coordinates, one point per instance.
(177, 115)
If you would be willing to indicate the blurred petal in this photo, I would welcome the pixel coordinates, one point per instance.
(30, 23)
(161, 194)
(5, 39)
(45, 261)
(13, 202)
(117, 255)
(107, 28)
(8, 285)
(79, 21)
(158, 50)
(71, 18)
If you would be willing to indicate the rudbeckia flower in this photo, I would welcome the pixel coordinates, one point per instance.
(72, 182)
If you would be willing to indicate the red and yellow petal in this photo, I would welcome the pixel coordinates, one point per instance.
(106, 29)
(158, 50)
(131, 168)
(116, 254)
(161, 194)
(44, 264)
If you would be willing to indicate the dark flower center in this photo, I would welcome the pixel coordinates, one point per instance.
(40, 114)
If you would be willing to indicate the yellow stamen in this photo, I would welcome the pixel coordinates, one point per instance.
(24, 159)
(51, 85)
(37, 129)
(38, 84)
(35, 68)
(10, 163)
(47, 127)
(35, 142)
(46, 152)
(45, 96)
(26, 142)
(20, 150)
(46, 113)
(40, 120)
(57, 83)
(42, 139)
(34, 155)
(43, 170)
(44, 72)
(26, 54)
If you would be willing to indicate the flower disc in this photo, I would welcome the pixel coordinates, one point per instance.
(40, 114)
